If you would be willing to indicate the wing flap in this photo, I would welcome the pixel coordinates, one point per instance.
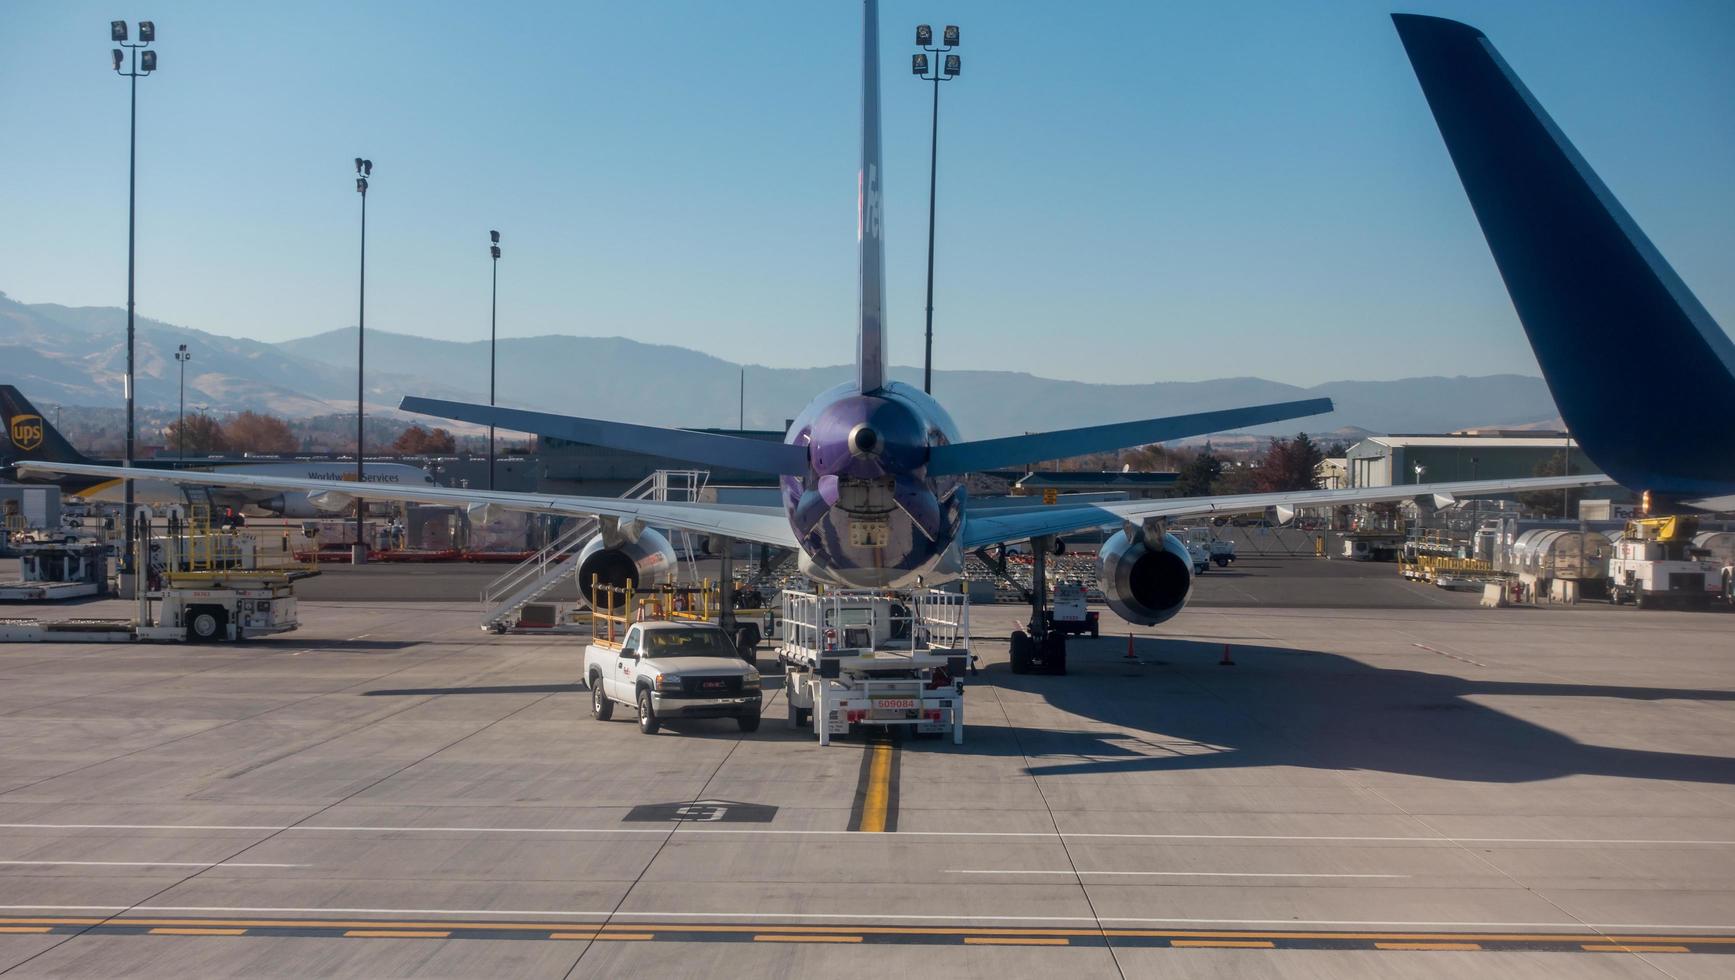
(989, 528)
(765, 525)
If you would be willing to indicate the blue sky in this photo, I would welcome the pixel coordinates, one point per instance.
(1129, 191)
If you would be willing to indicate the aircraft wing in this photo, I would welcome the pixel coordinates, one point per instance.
(985, 528)
(764, 525)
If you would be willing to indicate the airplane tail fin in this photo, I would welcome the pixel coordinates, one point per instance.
(29, 436)
(1589, 287)
(870, 230)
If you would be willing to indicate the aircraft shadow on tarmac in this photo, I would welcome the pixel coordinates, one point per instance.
(426, 692)
(1307, 709)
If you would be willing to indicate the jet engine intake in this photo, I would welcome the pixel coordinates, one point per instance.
(643, 562)
(1145, 585)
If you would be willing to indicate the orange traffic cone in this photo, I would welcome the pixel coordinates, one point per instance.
(1226, 661)
(1130, 655)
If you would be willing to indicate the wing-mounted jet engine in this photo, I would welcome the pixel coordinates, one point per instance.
(625, 553)
(1146, 574)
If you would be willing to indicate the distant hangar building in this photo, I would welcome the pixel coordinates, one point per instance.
(1383, 461)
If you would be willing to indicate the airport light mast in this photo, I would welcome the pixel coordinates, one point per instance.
(943, 70)
(358, 555)
(142, 64)
(182, 356)
(493, 310)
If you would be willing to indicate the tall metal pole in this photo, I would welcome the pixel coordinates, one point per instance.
(132, 211)
(493, 310)
(933, 174)
(359, 554)
(741, 417)
(181, 414)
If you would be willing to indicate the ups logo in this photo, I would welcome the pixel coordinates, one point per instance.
(27, 431)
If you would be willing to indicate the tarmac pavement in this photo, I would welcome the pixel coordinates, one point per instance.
(1396, 789)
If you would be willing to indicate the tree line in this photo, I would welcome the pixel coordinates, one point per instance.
(201, 434)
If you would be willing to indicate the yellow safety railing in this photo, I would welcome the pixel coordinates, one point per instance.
(603, 619)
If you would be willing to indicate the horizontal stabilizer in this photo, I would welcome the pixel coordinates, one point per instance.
(708, 448)
(1586, 282)
(1014, 451)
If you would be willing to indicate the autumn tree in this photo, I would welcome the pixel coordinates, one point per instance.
(417, 441)
(1290, 464)
(203, 434)
(251, 432)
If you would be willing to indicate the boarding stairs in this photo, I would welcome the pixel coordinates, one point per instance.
(530, 580)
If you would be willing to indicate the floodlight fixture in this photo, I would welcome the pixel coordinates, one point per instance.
(950, 37)
(147, 31)
(367, 168)
(494, 250)
(119, 55)
(954, 64)
(924, 36)
(494, 237)
(358, 165)
(117, 30)
(147, 61)
(918, 63)
(361, 185)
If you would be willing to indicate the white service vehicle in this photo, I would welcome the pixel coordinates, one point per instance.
(1655, 563)
(667, 669)
(206, 612)
(1068, 611)
(863, 658)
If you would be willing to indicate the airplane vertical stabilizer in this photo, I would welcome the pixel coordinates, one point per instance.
(27, 435)
(1596, 298)
(870, 230)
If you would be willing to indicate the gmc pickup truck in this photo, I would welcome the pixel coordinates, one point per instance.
(668, 670)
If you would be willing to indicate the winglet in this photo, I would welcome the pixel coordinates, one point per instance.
(1586, 282)
(870, 225)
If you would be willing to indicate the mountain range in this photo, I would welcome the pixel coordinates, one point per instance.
(77, 356)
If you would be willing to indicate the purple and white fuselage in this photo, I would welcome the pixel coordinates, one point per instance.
(867, 513)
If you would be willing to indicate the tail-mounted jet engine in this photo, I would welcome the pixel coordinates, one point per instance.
(625, 554)
(1143, 584)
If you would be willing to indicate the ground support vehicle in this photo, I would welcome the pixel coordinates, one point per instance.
(1069, 613)
(875, 659)
(57, 566)
(663, 667)
(1655, 563)
(197, 612)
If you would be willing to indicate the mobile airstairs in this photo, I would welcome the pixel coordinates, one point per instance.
(505, 599)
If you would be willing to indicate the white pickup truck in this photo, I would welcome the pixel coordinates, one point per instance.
(670, 669)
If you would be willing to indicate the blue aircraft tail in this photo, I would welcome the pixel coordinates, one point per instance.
(1596, 298)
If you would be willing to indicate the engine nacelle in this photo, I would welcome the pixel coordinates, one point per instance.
(1144, 585)
(330, 501)
(295, 505)
(644, 562)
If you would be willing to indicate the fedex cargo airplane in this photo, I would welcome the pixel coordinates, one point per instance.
(872, 470)
(1589, 287)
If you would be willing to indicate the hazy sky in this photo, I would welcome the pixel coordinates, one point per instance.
(1129, 191)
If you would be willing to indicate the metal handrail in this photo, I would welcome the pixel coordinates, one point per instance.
(659, 485)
